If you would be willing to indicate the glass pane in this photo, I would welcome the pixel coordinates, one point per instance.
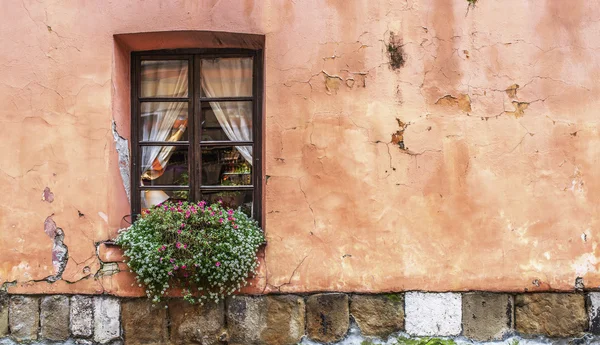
(226, 77)
(227, 166)
(232, 199)
(227, 121)
(164, 166)
(164, 121)
(150, 198)
(164, 78)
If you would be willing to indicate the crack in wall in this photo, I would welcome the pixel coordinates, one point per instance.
(122, 147)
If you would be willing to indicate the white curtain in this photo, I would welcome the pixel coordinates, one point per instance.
(231, 77)
(162, 121)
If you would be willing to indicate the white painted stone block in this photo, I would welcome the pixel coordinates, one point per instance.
(593, 302)
(433, 314)
(82, 318)
(107, 325)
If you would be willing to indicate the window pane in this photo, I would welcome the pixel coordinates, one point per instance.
(164, 166)
(227, 121)
(164, 78)
(226, 77)
(150, 198)
(227, 166)
(164, 121)
(232, 199)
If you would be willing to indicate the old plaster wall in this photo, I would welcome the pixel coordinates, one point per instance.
(431, 144)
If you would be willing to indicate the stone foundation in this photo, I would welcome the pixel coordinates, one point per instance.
(291, 319)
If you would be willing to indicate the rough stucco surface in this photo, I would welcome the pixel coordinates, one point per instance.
(473, 165)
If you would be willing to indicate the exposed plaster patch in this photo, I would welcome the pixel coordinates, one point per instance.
(122, 147)
(519, 109)
(47, 195)
(511, 91)
(60, 251)
(463, 102)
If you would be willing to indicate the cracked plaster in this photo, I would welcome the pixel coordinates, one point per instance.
(482, 197)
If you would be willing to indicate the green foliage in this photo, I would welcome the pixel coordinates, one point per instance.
(424, 341)
(392, 297)
(514, 342)
(209, 251)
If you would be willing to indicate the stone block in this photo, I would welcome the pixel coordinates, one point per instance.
(54, 317)
(143, 322)
(194, 323)
(82, 316)
(107, 313)
(550, 314)
(486, 316)
(246, 319)
(433, 314)
(285, 320)
(378, 315)
(327, 317)
(3, 315)
(24, 317)
(593, 304)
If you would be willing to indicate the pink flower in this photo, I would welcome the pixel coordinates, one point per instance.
(170, 273)
(183, 267)
(187, 214)
(178, 245)
(175, 267)
(220, 201)
(218, 264)
(179, 203)
(184, 246)
(220, 220)
(172, 260)
(231, 218)
(185, 275)
(212, 213)
(161, 259)
(179, 231)
(235, 226)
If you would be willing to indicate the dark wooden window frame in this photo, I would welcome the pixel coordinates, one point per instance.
(193, 144)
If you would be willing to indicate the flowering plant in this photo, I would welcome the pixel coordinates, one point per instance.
(208, 250)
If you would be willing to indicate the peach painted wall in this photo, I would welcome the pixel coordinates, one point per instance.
(497, 186)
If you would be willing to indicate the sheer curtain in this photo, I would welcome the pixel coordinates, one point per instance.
(162, 121)
(230, 77)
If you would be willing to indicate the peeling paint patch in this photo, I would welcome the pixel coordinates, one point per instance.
(47, 195)
(103, 216)
(398, 136)
(122, 147)
(332, 82)
(463, 102)
(519, 109)
(60, 251)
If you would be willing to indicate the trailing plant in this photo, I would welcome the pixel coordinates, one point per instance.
(207, 250)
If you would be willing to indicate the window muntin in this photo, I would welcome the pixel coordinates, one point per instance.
(195, 129)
